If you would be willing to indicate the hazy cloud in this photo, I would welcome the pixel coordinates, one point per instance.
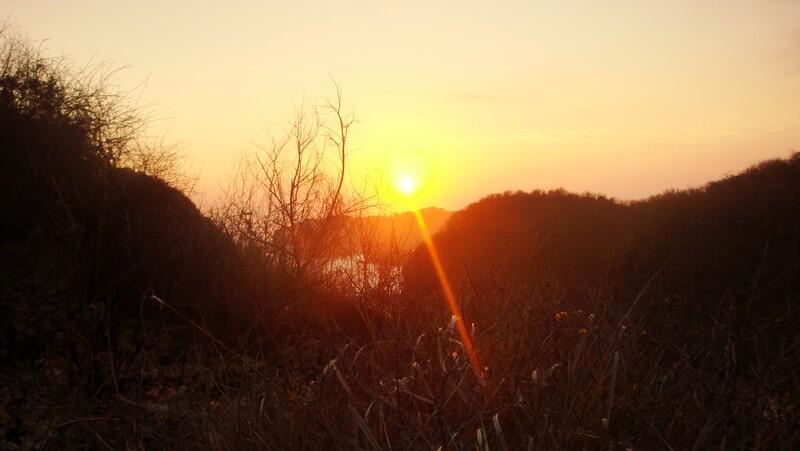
(795, 52)
(474, 97)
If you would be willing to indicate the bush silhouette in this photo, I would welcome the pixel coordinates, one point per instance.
(82, 231)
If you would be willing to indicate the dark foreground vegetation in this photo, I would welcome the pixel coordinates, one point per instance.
(131, 320)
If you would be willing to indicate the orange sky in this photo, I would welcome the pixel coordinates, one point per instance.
(623, 98)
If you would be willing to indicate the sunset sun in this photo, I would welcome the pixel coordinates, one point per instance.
(406, 185)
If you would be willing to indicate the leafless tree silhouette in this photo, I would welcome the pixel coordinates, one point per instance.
(290, 199)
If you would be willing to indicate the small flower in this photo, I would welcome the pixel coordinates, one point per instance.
(583, 331)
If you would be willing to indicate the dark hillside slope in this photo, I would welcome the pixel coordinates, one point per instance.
(152, 239)
(520, 240)
(737, 235)
(740, 234)
(697, 291)
(63, 189)
(85, 243)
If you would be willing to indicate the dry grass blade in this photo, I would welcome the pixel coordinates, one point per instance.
(362, 424)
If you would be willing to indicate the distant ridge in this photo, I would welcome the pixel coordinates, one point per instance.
(736, 234)
(402, 230)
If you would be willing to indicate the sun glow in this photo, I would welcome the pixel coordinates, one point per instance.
(409, 179)
(406, 185)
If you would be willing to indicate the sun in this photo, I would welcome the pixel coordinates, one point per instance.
(406, 185)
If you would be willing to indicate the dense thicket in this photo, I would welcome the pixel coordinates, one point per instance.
(68, 188)
(87, 238)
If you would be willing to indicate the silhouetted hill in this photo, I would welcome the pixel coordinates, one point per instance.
(738, 233)
(90, 248)
(115, 290)
(695, 289)
(741, 233)
(65, 191)
(141, 238)
(530, 236)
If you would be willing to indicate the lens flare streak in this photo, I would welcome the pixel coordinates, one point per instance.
(449, 296)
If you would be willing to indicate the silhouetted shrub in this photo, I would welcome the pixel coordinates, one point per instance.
(91, 232)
